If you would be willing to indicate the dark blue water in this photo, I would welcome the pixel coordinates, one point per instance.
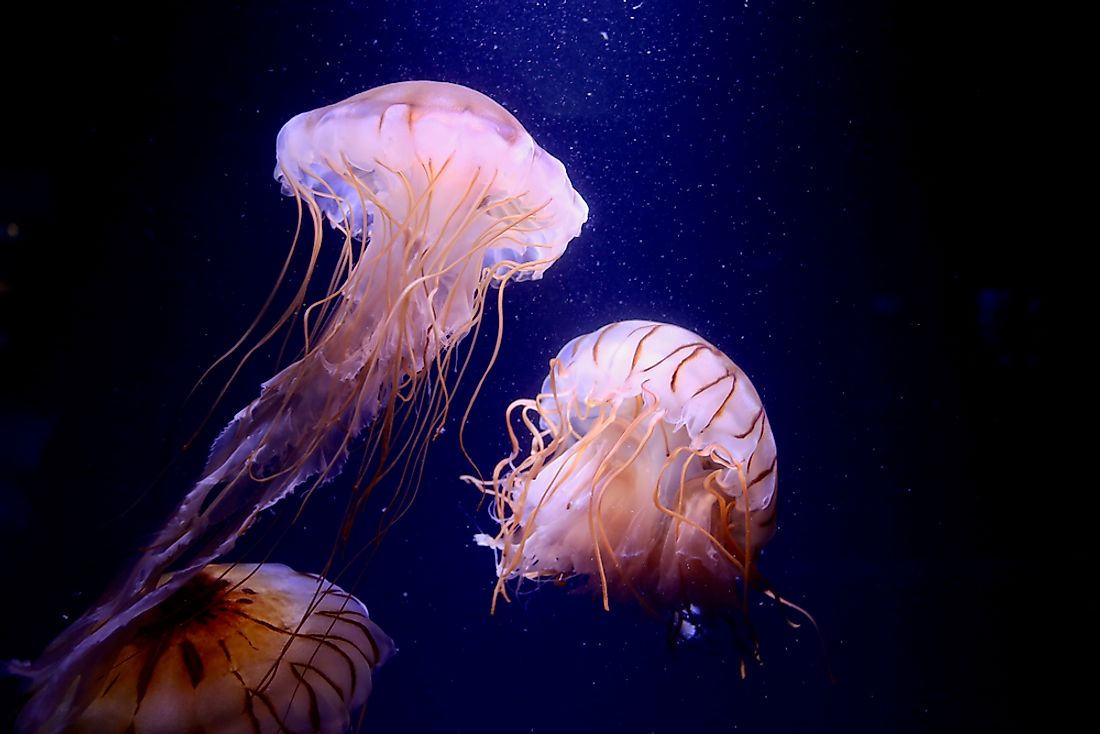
(783, 179)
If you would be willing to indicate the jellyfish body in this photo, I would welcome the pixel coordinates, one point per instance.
(436, 193)
(651, 471)
(244, 648)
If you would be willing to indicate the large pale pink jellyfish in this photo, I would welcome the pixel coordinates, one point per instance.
(651, 472)
(244, 648)
(436, 193)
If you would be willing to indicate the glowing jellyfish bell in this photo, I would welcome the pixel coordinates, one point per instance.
(436, 193)
(651, 471)
(255, 648)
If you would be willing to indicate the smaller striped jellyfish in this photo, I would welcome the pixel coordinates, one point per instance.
(651, 473)
(249, 648)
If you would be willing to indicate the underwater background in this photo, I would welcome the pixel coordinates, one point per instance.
(793, 181)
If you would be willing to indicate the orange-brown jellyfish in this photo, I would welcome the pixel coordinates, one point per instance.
(651, 472)
(436, 193)
(247, 648)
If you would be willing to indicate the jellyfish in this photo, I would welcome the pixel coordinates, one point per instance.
(651, 472)
(436, 194)
(239, 648)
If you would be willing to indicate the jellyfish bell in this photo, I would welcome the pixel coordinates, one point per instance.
(446, 172)
(436, 194)
(239, 648)
(651, 472)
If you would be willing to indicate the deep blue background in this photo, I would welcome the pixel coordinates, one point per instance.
(814, 187)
